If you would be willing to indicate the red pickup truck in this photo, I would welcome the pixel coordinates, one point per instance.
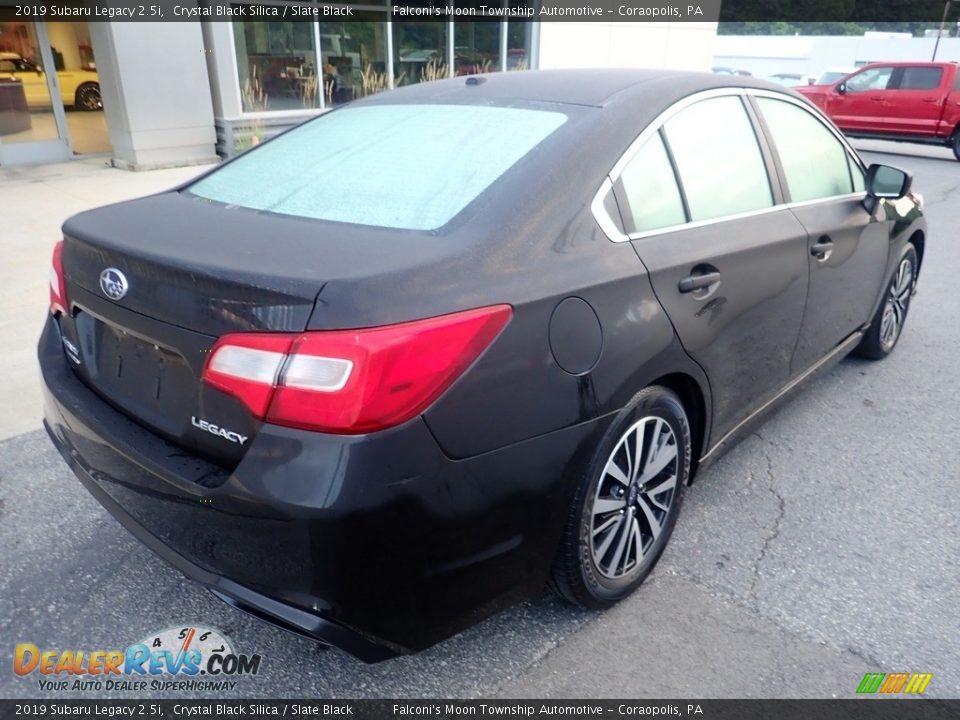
(904, 101)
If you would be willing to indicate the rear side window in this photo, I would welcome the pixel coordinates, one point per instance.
(814, 161)
(721, 169)
(650, 190)
(412, 167)
(921, 78)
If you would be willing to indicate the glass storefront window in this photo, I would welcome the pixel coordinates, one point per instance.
(354, 57)
(26, 110)
(277, 66)
(518, 46)
(476, 47)
(277, 61)
(419, 52)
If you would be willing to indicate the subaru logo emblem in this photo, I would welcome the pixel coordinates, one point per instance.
(113, 283)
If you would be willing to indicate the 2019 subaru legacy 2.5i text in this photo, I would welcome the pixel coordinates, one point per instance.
(407, 363)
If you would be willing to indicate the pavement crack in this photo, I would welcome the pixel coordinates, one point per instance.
(941, 196)
(777, 523)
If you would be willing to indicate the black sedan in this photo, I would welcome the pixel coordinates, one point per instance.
(409, 362)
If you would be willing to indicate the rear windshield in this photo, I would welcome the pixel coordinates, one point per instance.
(397, 166)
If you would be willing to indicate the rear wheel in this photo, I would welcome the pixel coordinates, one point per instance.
(955, 144)
(88, 97)
(628, 502)
(887, 324)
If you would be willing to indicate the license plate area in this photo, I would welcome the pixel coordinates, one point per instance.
(139, 375)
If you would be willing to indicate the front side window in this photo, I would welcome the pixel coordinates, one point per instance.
(718, 158)
(814, 161)
(395, 166)
(859, 177)
(921, 78)
(872, 79)
(650, 198)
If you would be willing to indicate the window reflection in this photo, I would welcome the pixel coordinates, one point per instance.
(354, 58)
(276, 63)
(419, 52)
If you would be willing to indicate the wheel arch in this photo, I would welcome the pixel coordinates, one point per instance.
(693, 398)
(918, 239)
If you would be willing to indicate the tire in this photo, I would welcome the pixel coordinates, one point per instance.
(887, 324)
(598, 562)
(88, 97)
(955, 144)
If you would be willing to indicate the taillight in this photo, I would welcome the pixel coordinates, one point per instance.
(58, 289)
(351, 381)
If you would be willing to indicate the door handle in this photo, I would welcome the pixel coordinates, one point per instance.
(698, 282)
(822, 248)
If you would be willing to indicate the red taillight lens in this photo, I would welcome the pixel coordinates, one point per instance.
(352, 381)
(58, 290)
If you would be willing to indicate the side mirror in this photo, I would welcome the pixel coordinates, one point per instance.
(886, 182)
(842, 88)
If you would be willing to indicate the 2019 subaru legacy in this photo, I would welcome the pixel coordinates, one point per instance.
(407, 363)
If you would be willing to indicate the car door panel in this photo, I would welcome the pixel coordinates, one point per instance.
(863, 103)
(741, 330)
(915, 105)
(845, 281)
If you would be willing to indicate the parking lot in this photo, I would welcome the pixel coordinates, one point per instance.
(823, 547)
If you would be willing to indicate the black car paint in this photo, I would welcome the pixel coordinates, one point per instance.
(389, 542)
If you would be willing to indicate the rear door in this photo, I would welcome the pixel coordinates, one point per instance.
(916, 100)
(862, 104)
(847, 246)
(726, 262)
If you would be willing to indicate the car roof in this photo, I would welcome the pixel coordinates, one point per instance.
(586, 87)
(908, 63)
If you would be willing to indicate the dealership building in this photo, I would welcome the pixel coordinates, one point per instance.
(179, 93)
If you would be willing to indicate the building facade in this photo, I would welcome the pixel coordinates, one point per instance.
(812, 55)
(179, 93)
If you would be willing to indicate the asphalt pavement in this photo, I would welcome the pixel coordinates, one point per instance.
(822, 547)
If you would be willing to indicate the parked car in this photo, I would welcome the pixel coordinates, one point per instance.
(730, 71)
(493, 356)
(78, 88)
(906, 101)
(787, 79)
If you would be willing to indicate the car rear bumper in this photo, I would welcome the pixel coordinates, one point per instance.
(376, 544)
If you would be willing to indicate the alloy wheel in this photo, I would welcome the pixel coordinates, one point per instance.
(90, 99)
(895, 308)
(633, 497)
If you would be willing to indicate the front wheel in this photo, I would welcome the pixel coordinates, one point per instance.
(887, 324)
(627, 503)
(955, 144)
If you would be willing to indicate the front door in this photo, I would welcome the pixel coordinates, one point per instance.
(862, 103)
(727, 264)
(33, 126)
